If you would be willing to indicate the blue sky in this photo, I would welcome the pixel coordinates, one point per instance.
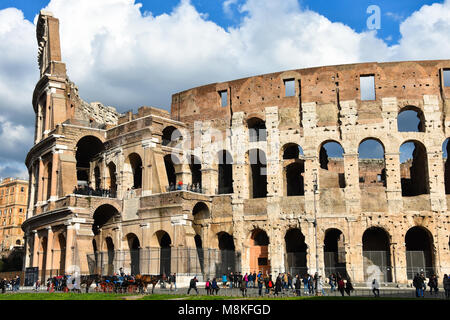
(350, 12)
(120, 55)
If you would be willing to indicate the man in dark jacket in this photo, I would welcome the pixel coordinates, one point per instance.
(446, 283)
(297, 285)
(193, 285)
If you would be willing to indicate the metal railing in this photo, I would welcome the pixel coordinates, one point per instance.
(196, 188)
(153, 261)
(87, 191)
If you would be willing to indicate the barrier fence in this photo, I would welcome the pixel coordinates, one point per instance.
(188, 261)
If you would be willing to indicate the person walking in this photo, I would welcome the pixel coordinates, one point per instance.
(331, 280)
(305, 285)
(3, 285)
(433, 284)
(193, 285)
(348, 287)
(278, 285)
(224, 280)
(297, 285)
(446, 284)
(208, 287)
(375, 288)
(174, 279)
(418, 284)
(341, 286)
(320, 288)
(260, 285)
(214, 287)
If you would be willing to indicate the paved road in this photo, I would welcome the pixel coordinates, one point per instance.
(253, 292)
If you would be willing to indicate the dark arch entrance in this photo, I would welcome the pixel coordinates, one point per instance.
(134, 246)
(259, 252)
(112, 179)
(334, 253)
(256, 130)
(413, 169)
(332, 173)
(377, 255)
(200, 254)
(87, 149)
(136, 167)
(227, 262)
(196, 172)
(111, 255)
(170, 136)
(170, 171)
(419, 252)
(295, 252)
(225, 173)
(103, 215)
(165, 244)
(258, 173)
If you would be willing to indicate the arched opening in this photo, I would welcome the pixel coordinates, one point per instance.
(170, 171)
(295, 252)
(62, 253)
(95, 269)
(294, 169)
(259, 252)
(134, 247)
(97, 178)
(43, 258)
(112, 178)
(48, 181)
(372, 167)
(377, 255)
(200, 254)
(103, 215)
(111, 255)
(256, 130)
(165, 244)
(331, 157)
(195, 166)
(200, 211)
(334, 253)
(171, 136)
(88, 148)
(413, 169)
(445, 152)
(258, 176)
(227, 254)
(411, 119)
(419, 252)
(225, 172)
(135, 162)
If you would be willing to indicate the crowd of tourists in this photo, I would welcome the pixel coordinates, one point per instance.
(420, 284)
(11, 285)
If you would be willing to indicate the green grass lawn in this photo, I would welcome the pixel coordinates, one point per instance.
(112, 296)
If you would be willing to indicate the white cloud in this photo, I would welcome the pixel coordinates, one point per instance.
(120, 57)
(227, 7)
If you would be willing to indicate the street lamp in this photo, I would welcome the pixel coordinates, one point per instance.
(315, 229)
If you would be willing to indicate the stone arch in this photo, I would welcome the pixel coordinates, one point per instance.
(296, 252)
(371, 163)
(87, 149)
(201, 211)
(334, 252)
(104, 214)
(169, 161)
(293, 169)
(259, 251)
(134, 165)
(109, 247)
(170, 136)
(257, 173)
(225, 172)
(111, 182)
(414, 168)
(164, 241)
(445, 153)
(332, 171)
(405, 119)
(377, 254)
(43, 257)
(59, 252)
(227, 262)
(420, 256)
(48, 169)
(195, 165)
(134, 246)
(256, 129)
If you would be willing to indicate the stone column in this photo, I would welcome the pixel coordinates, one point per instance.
(393, 182)
(352, 190)
(70, 231)
(147, 167)
(41, 188)
(35, 259)
(49, 253)
(54, 182)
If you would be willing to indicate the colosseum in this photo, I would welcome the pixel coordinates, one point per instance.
(335, 168)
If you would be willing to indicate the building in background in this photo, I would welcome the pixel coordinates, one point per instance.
(13, 205)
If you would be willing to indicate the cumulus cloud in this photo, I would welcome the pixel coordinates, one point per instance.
(119, 56)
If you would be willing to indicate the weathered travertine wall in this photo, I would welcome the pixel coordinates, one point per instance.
(136, 166)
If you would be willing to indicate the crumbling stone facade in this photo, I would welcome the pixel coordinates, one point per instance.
(250, 191)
